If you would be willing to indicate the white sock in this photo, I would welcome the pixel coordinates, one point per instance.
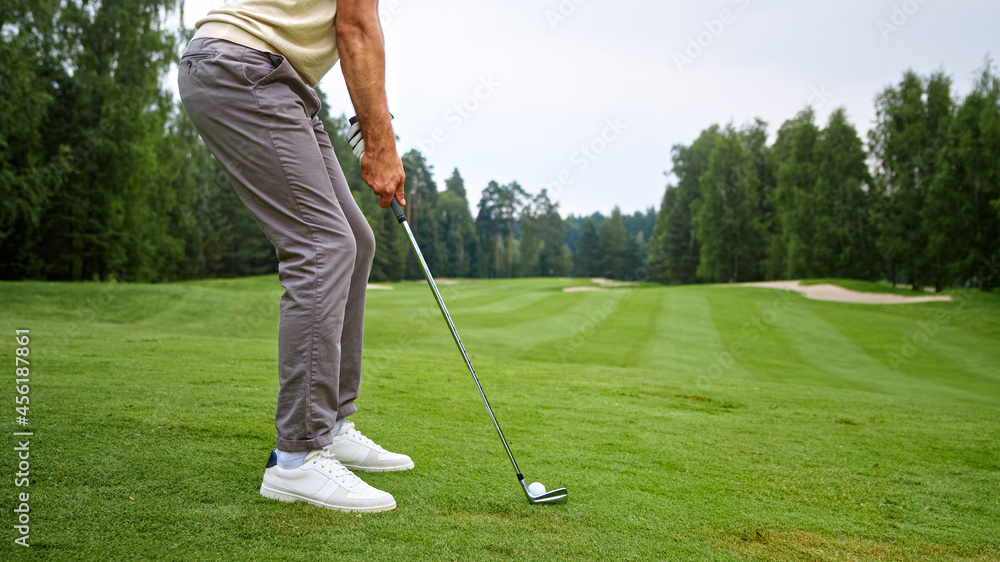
(291, 461)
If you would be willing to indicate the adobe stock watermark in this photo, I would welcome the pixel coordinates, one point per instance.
(594, 319)
(901, 14)
(562, 12)
(22, 385)
(698, 43)
(586, 154)
(387, 9)
(460, 112)
(751, 332)
(818, 96)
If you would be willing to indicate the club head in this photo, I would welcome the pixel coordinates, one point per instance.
(552, 496)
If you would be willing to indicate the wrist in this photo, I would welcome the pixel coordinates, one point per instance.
(380, 150)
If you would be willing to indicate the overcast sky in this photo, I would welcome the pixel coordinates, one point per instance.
(587, 97)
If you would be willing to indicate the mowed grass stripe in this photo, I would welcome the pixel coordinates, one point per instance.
(941, 360)
(683, 334)
(515, 311)
(825, 350)
(752, 347)
(561, 338)
(614, 330)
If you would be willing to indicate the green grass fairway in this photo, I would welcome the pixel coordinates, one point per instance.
(687, 422)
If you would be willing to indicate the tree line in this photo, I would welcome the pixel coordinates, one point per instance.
(102, 175)
(919, 203)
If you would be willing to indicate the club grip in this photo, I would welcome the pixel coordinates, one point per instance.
(398, 209)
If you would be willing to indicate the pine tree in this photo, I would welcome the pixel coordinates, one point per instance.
(635, 256)
(612, 245)
(511, 198)
(528, 225)
(456, 184)
(489, 225)
(541, 243)
(640, 222)
(553, 259)
(457, 228)
(423, 216)
(574, 228)
(587, 259)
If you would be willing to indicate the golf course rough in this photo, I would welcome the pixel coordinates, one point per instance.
(696, 422)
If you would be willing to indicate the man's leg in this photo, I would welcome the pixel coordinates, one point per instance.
(349, 446)
(255, 114)
(352, 338)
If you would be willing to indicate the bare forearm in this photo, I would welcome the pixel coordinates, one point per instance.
(362, 59)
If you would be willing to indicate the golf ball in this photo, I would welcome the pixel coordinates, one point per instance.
(536, 488)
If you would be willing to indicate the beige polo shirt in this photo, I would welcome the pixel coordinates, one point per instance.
(302, 31)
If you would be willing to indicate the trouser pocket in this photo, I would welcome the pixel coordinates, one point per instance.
(259, 66)
(190, 60)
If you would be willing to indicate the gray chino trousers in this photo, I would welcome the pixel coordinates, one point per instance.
(259, 119)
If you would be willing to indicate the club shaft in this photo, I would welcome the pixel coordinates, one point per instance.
(458, 340)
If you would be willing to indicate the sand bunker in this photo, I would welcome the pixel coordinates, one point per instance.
(601, 283)
(834, 293)
(377, 287)
(609, 283)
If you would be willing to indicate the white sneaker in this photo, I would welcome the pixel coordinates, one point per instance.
(324, 482)
(357, 452)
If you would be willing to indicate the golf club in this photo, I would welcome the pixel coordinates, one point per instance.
(538, 495)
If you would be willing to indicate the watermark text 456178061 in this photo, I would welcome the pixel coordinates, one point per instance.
(22, 386)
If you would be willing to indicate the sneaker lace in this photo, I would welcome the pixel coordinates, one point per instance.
(355, 434)
(337, 471)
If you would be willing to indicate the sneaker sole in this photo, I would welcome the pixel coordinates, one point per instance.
(378, 468)
(291, 498)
